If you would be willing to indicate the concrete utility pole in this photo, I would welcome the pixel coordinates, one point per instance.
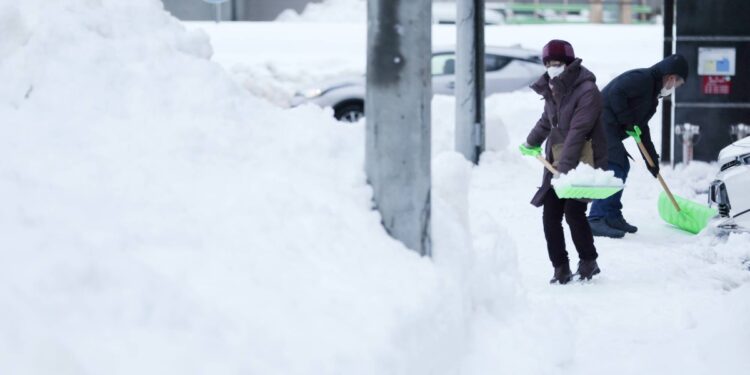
(399, 95)
(470, 79)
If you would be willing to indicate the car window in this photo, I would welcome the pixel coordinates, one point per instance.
(444, 63)
(494, 63)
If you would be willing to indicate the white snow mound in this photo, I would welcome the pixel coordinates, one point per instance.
(586, 175)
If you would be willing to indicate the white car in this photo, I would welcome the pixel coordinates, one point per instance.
(730, 192)
(507, 69)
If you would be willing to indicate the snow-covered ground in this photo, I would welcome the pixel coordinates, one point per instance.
(160, 218)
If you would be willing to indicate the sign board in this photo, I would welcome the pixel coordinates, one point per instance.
(717, 85)
(716, 61)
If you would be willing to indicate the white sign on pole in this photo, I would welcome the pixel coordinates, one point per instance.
(716, 61)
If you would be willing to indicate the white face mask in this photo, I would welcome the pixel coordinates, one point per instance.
(555, 71)
(666, 92)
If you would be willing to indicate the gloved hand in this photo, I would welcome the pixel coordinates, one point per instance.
(532, 151)
(655, 169)
(634, 131)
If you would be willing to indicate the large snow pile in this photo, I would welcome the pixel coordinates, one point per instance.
(159, 219)
(586, 175)
(344, 11)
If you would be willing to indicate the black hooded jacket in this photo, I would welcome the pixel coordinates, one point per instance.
(631, 99)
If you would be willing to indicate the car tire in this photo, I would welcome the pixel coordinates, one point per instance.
(352, 112)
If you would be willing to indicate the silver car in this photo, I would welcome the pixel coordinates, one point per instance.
(507, 69)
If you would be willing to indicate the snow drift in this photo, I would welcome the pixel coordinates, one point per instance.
(586, 175)
(160, 219)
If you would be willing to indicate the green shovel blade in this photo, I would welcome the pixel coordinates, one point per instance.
(692, 217)
(586, 192)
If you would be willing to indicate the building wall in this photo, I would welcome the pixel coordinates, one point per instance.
(238, 10)
(656, 4)
(195, 10)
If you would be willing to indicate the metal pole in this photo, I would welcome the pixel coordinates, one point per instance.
(218, 12)
(399, 95)
(470, 79)
(666, 109)
(688, 132)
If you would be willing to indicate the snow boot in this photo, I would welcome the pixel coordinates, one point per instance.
(621, 224)
(562, 274)
(587, 269)
(599, 228)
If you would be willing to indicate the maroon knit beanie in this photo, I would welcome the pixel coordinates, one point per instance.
(558, 50)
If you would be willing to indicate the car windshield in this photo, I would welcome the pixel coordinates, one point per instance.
(493, 63)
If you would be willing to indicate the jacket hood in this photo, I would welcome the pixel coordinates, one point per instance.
(674, 64)
(573, 75)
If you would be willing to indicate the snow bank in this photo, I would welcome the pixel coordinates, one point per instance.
(586, 175)
(338, 11)
(160, 219)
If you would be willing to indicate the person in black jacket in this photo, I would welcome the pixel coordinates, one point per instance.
(629, 100)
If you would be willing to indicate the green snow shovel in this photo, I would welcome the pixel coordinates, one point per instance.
(571, 191)
(680, 212)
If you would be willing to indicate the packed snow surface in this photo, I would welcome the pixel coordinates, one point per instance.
(586, 175)
(159, 217)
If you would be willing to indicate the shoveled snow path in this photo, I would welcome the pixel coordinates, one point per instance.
(661, 294)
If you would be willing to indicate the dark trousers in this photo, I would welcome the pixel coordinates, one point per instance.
(575, 214)
(611, 207)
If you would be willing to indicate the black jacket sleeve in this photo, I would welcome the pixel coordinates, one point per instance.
(646, 139)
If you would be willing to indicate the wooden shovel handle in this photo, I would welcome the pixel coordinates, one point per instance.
(547, 165)
(658, 175)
